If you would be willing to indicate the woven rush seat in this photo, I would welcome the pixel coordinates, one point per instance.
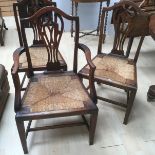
(53, 93)
(39, 57)
(120, 71)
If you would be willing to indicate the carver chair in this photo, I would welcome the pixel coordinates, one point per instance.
(36, 48)
(116, 68)
(53, 93)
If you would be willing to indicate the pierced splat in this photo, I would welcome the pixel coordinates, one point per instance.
(29, 7)
(123, 20)
(49, 31)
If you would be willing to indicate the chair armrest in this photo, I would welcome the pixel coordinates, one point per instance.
(16, 56)
(16, 79)
(87, 52)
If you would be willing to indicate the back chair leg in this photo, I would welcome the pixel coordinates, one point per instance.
(22, 135)
(130, 101)
(129, 46)
(92, 127)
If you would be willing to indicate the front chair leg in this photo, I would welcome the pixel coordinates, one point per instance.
(130, 101)
(22, 135)
(92, 127)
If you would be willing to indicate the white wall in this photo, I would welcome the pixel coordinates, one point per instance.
(88, 13)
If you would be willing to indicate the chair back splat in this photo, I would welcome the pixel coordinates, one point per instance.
(127, 20)
(49, 26)
(36, 49)
(27, 8)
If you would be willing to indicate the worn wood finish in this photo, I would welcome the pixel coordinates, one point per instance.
(75, 13)
(117, 68)
(50, 94)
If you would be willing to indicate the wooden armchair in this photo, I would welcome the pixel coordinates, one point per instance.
(50, 94)
(37, 48)
(118, 69)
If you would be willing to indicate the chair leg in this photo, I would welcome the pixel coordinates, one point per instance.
(129, 46)
(72, 21)
(99, 18)
(1, 39)
(130, 101)
(22, 135)
(92, 127)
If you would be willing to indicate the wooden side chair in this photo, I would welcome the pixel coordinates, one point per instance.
(37, 48)
(50, 94)
(117, 68)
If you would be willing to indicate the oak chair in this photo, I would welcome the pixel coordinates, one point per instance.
(117, 68)
(36, 48)
(50, 94)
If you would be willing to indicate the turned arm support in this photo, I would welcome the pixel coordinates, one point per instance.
(92, 67)
(15, 77)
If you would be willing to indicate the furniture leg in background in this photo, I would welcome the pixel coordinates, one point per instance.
(75, 13)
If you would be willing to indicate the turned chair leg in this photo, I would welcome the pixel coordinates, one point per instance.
(72, 21)
(22, 135)
(130, 101)
(92, 127)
